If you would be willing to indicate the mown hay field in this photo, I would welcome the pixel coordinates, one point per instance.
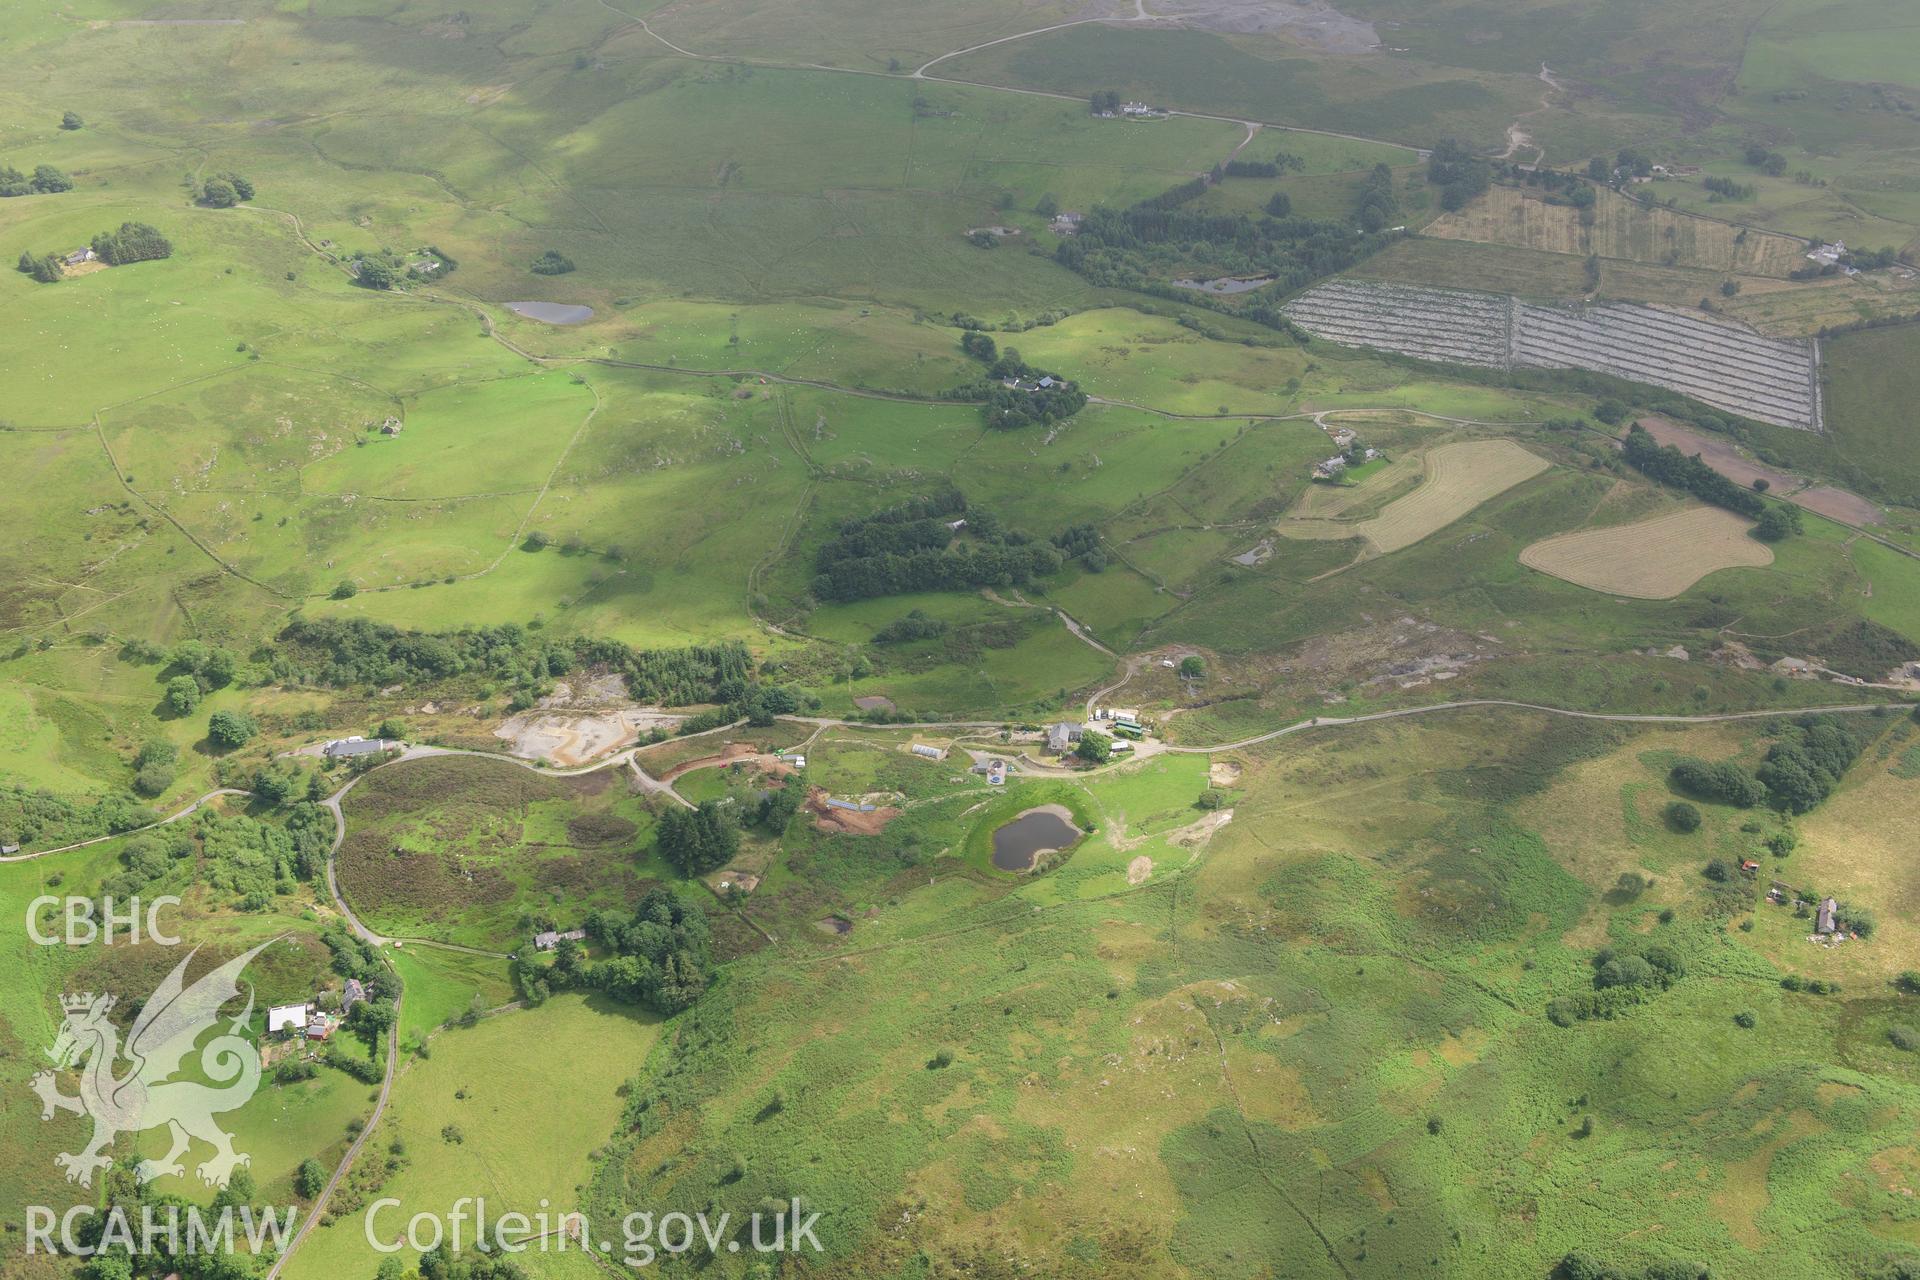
(1331, 502)
(1653, 559)
(1459, 477)
(1621, 229)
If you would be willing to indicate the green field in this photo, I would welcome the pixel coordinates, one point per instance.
(444, 985)
(1866, 382)
(483, 1084)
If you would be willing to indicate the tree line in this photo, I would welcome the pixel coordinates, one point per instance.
(46, 268)
(1621, 980)
(45, 180)
(342, 652)
(1377, 205)
(225, 190)
(1460, 174)
(1142, 247)
(1026, 402)
(1174, 197)
(1666, 464)
(1138, 248)
(911, 547)
(1008, 408)
(387, 269)
(1802, 767)
(1282, 162)
(248, 861)
(660, 956)
(1768, 161)
(1580, 1265)
(133, 242)
(916, 625)
(30, 817)
(1082, 542)
(698, 840)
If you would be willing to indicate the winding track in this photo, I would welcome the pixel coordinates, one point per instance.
(626, 758)
(170, 818)
(1323, 722)
(920, 73)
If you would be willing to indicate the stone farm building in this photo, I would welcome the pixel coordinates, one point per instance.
(550, 939)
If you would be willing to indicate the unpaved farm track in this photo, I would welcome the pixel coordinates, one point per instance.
(1327, 722)
(625, 760)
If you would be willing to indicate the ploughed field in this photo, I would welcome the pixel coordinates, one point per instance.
(1772, 380)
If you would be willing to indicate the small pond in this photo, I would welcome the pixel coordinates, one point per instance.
(552, 312)
(1226, 284)
(1017, 844)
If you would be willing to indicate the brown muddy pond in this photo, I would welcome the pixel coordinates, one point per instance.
(552, 312)
(1019, 843)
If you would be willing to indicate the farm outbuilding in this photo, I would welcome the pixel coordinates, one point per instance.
(347, 748)
(285, 1018)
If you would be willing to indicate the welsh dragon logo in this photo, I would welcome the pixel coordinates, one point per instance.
(142, 1096)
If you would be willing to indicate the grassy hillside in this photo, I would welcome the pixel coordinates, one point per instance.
(1334, 1002)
